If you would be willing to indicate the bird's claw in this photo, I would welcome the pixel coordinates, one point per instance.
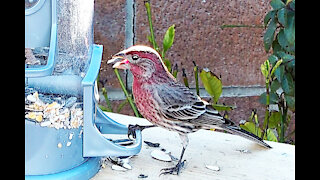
(174, 170)
(132, 129)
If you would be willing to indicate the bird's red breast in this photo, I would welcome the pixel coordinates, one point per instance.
(145, 104)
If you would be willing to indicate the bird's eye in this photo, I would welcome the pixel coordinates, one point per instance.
(135, 57)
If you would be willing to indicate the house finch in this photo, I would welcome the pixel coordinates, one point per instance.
(167, 103)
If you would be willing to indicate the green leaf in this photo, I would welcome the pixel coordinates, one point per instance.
(292, 64)
(276, 46)
(251, 127)
(287, 84)
(270, 15)
(286, 57)
(273, 98)
(284, 42)
(270, 136)
(274, 119)
(256, 119)
(275, 85)
(211, 83)
(290, 100)
(277, 4)
(269, 34)
(279, 73)
(168, 39)
(221, 107)
(273, 59)
(265, 67)
(292, 5)
(288, 60)
(289, 30)
(282, 16)
(276, 66)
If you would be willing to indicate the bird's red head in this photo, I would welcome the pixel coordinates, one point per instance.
(143, 61)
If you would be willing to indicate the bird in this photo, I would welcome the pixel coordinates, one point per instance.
(169, 104)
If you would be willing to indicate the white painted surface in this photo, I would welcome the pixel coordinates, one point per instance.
(237, 158)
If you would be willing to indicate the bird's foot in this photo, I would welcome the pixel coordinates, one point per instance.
(174, 170)
(132, 129)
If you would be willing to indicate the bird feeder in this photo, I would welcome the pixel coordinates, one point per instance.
(61, 31)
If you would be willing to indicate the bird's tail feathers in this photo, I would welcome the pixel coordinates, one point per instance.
(238, 131)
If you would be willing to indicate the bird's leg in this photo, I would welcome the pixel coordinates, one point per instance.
(132, 129)
(176, 169)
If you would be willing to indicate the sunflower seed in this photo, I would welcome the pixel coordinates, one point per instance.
(160, 155)
(213, 167)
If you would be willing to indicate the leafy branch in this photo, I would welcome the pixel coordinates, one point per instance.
(279, 71)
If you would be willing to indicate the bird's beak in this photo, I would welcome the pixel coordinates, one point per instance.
(119, 61)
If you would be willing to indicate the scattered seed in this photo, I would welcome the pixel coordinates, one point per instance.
(127, 166)
(103, 165)
(31, 98)
(152, 144)
(45, 123)
(39, 118)
(70, 136)
(142, 176)
(244, 151)
(68, 143)
(50, 110)
(161, 155)
(213, 167)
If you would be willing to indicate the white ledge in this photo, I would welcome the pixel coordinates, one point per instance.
(237, 158)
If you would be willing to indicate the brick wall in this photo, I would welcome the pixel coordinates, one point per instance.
(234, 53)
